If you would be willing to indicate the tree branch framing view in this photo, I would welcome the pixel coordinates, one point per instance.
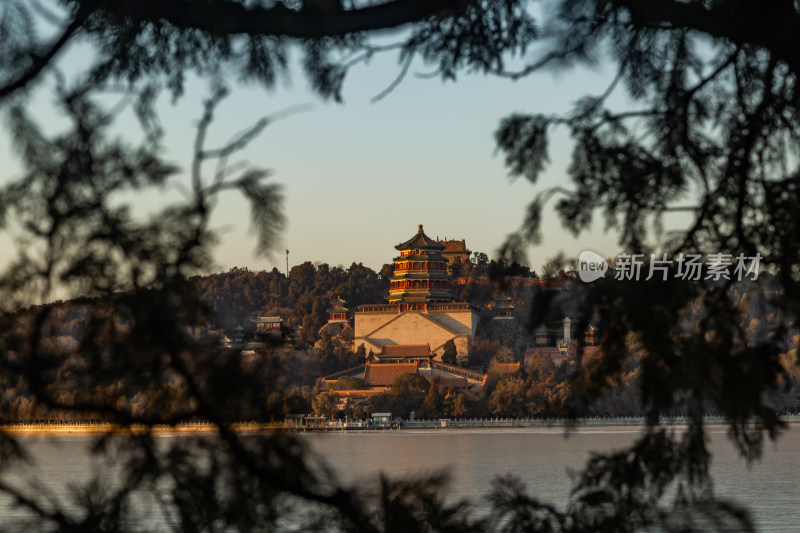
(710, 130)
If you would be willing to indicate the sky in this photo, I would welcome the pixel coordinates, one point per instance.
(358, 177)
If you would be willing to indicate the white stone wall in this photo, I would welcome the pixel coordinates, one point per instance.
(411, 327)
(366, 323)
(462, 322)
(462, 343)
(367, 345)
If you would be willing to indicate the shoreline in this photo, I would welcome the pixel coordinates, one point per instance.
(83, 430)
(45, 431)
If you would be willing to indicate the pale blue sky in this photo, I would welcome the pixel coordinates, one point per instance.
(359, 176)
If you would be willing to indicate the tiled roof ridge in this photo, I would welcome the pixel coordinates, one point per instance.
(509, 365)
(376, 374)
(426, 241)
(454, 245)
(405, 349)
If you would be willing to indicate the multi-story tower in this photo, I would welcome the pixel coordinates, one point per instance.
(420, 274)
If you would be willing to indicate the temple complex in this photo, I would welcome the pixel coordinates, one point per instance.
(421, 310)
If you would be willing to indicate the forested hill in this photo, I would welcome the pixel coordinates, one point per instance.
(301, 298)
(235, 297)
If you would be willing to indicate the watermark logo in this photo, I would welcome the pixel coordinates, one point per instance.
(635, 267)
(591, 266)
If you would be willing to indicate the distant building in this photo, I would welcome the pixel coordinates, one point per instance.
(338, 321)
(502, 308)
(268, 327)
(380, 375)
(383, 374)
(556, 343)
(407, 334)
(421, 309)
(337, 311)
(455, 250)
(267, 324)
(506, 369)
(591, 337)
(395, 361)
(420, 274)
(237, 338)
(381, 419)
(558, 354)
(504, 327)
(396, 353)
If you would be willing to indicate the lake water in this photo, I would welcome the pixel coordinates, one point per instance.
(542, 458)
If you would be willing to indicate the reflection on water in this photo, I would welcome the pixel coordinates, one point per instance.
(541, 458)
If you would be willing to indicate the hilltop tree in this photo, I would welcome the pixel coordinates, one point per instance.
(480, 263)
(450, 353)
(540, 367)
(349, 383)
(458, 407)
(295, 404)
(508, 398)
(434, 402)
(482, 351)
(361, 354)
(711, 133)
(407, 394)
(324, 403)
(387, 270)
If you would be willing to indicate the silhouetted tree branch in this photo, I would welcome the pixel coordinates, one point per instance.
(715, 122)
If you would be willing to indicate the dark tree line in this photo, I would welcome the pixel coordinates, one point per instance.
(229, 300)
(302, 299)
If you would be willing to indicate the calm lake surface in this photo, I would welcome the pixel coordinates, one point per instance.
(542, 458)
